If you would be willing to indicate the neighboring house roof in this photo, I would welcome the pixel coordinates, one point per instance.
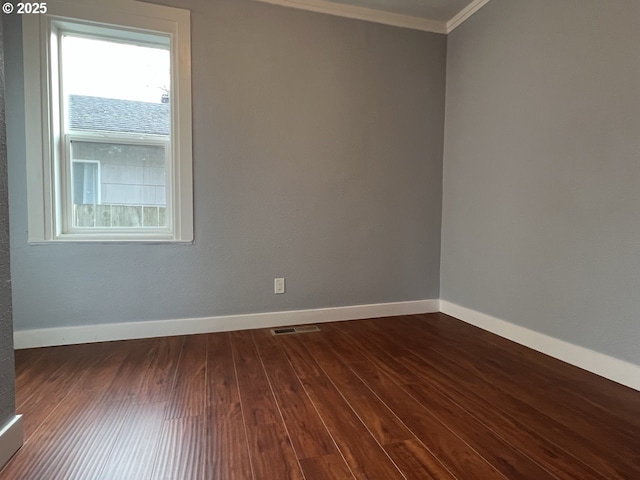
(115, 115)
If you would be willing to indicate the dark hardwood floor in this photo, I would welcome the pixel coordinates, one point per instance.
(417, 397)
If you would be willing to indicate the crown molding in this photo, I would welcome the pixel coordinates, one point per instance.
(464, 14)
(362, 13)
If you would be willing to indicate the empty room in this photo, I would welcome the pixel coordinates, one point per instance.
(317, 240)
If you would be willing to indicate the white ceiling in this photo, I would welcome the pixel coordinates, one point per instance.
(439, 16)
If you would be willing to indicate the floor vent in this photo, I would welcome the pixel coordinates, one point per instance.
(294, 330)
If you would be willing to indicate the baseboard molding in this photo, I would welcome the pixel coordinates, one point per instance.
(11, 439)
(612, 368)
(47, 337)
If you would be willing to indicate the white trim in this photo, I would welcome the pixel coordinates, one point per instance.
(363, 13)
(609, 367)
(612, 368)
(384, 17)
(160, 328)
(11, 439)
(38, 174)
(464, 14)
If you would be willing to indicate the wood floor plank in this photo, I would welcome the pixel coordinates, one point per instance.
(49, 366)
(227, 452)
(612, 396)
(544, 385)
(222, 385)
(519, 427)
(383, 424)
(441, 439)
(258, 404)
(53, 389)
(617, 398)
(545, 460)
(492, 443)
(416, 462)
(71, 411)
(181, 451)
(508, 370)
(134, 451)
(327, 467)
(32, 366)
(270, 449)
(158, 379)
(73, 443)
(413, 397)
(103, 371)
(25, 359)
(303, 364)
(127, 382)
(74, 374)
(271, 453)
(517, 369)
(308, 434)
(364, 456)
(591, 399)
(227, 445)
(188, 394)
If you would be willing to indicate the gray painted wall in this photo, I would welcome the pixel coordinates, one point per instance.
(541, 214)
(317, 157)
(7, 371)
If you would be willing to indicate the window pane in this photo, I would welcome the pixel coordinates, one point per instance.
(119, 88)
(102, 68)
(129, 188)
(115, 87)
(85, 183)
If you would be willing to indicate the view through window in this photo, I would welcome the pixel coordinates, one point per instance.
(117, 130)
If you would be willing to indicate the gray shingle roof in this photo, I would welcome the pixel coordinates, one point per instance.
(122, 116)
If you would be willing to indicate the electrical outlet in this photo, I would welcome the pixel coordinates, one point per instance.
(278, 286)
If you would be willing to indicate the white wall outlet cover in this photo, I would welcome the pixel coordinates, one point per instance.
(278, 286)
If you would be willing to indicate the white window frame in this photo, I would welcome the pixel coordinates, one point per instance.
(46, 147)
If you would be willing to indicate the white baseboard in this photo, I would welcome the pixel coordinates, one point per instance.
(612, 368)
(47, 337)
(11, 439)
(609, 367)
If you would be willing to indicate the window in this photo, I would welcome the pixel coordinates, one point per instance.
(85, 177)
(109, 138)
